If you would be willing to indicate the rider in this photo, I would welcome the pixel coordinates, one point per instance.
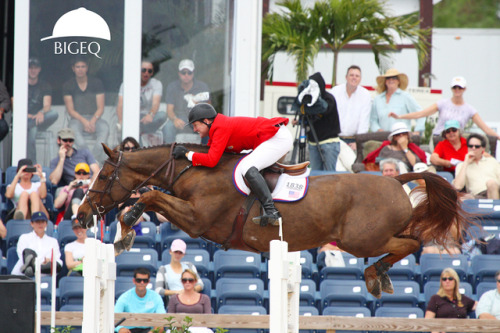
(269, 139)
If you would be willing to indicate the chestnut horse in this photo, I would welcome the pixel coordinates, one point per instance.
(366, 215)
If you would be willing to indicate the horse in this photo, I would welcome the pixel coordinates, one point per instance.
(366, 215)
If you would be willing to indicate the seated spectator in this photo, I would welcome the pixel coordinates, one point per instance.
(129, 144)
(3, 230)
(63, 166)
(488, 306)
(37, 244)
(168, 277)
(398, 147)
(448, 302)
(390, 168)
(75, 251)
(189, 301)
(478, 174)
(139, 300)
(26, 195)
(452, 150)
(69, 197)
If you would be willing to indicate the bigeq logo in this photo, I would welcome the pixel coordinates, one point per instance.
(79, 23)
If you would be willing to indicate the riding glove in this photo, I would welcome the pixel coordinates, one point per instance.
(179, 152)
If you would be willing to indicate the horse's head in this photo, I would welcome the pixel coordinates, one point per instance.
(109, 188)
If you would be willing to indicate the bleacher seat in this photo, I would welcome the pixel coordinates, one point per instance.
(46, 290)
(72, 308)
(12, 258)
(254, 310)
(346, 293)
(124, 283)
(353, 270)
(431, 266)
(486, 208)
(3, 264)
(71, 290)
(405, 269)
(400, 312)
(356, 311)
(432, 287)
(483, 287)
(241, 291)
(146, 240)
(236, 264)
(446, 175)
(484, 267)
(16, 228)
(128, 261)
(168, 235)
(305, 310)
(198, 257)
(406, 294)
(65, 234)
(306, 263)
(307, 292)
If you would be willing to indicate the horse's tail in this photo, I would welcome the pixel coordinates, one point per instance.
(439, 216)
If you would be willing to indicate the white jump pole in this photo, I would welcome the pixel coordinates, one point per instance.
(285, 275)
(99, 272)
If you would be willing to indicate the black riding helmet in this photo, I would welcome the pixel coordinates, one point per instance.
(201, 111)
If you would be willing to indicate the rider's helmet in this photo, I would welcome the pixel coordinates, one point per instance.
(201, 111)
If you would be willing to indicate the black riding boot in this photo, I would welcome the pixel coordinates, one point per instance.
(259, 187)
(28, 267)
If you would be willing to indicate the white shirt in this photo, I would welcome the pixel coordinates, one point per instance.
(42, 246)
(154, 87)
(354, 111)
(77, 249)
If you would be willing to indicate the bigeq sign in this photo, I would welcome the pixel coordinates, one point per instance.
(79, 23)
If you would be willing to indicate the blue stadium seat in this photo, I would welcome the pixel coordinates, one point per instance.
(72, 308)
(486, 208)
(16, 228)
(198, 257)
(406, 294)
(405, 269)
(431, 266)
(236, 264)
(3, 264)
(353, 270)
(241, 291)
(346, 293)
(307, 292)
(12, 258)
(484, 267)
(46, 290)
(71, 290)
(483, 287)
(168, 235)
(357, 311)
(306, 310)
(306, 263)
(146, 240)
(400, 312)
(254, 310)
(128, 261)
(432, 287)
(65, 234)
(446, 175)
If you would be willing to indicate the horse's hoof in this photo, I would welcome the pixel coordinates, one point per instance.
(125, 243)
(119, 248)
(374, 287)
(386, 284)
(131, 217)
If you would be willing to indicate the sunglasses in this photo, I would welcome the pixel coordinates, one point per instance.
(141, 280)
(68, 140)
(149, 70)
(178, 252)
(128, 148)
(184, 280)
(81, 173)
(498, 281)
(457, 87)
(392, 78)
(447, 278)
(474, 146)
(186, 72)
(449, 130)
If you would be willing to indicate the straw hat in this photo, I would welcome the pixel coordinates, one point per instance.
(403, 79)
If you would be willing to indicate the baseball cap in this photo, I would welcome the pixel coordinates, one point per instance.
(178, 245)
(75, 224)
(420, 167)
(66, 133)
(38, 216)
(82, 166)
(34, 62)
(452, 123)
(458, 81)
(186, 64)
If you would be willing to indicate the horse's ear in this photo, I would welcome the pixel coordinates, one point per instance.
(107, 150)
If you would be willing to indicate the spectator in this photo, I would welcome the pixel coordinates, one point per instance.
(398, 147)
(488, 306)
(392, 98)
(70, 196)
(354, 105)
(390, 168)
(139, 300)
(37, 244)
(452, 150)
(3, 230)
(26, 195)
(180, 97)
(4, 107)
(454, 108)
(448, 302)
(478, 173)
(75, 251)
(189, 300)
(129, 144)
(40, 114)
(151, 91)
(84, 100)
(64, 165)
(168, 277)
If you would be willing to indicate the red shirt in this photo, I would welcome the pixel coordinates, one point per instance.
(234, 134)
(445, 150)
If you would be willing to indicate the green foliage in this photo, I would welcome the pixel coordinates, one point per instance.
(466, 14)
(66, 329)
(187, 322)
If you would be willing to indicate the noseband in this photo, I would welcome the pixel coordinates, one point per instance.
(99, 209)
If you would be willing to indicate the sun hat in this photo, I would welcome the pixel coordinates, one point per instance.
(186, 64)
(403, 79)
(82, 166)
(38, 216)
(420, 167)
(458, 81)
(398, 128)
(66, 133)
(178, 245)
(452, 123)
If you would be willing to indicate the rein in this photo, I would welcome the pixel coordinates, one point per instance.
(99, 209)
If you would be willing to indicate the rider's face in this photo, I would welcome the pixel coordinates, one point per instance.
(201, 128)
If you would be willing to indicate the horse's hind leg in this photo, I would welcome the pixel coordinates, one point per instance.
(376, 277)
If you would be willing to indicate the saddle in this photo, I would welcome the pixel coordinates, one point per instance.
(273, 172)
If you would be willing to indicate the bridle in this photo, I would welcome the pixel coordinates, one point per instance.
(99, 209)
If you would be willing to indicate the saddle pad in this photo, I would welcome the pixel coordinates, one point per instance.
(289, 188)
